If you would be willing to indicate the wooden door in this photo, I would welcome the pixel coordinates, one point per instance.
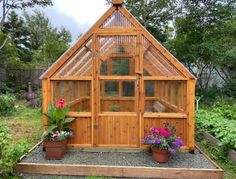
(118, 123)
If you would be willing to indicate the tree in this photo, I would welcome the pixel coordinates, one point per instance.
(19, 35)
(47, 42)
(205, 38)
(9, 5)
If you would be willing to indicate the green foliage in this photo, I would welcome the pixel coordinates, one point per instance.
(57, 120)
(220, 121)
(8, 53)
(47, 42)
(205, 37)
(154, 15)
(4, 137)
(7, 102)
(19, 35)
(9, 154)
(114, 108)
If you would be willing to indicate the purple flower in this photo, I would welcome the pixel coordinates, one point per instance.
(172, 151)
(164, 144)
(178, 142)
(158, 141)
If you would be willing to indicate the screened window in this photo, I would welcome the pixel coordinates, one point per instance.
(77, 93)
(111, 88)
(165, 96)
(117, 96)
(103, 68)
(128, 88)
(120, 66)
(150, 88)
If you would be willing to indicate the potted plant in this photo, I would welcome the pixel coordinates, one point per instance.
(58, 130)
(163, 142)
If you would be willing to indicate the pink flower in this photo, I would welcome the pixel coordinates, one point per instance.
(164, 132)
(61, 103)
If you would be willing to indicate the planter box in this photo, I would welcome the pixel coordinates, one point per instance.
(211, 138)
(214, 141)
(232, 155)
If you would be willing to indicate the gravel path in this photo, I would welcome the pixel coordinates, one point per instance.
(144, 158)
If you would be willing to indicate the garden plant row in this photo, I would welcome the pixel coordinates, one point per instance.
(220, 122)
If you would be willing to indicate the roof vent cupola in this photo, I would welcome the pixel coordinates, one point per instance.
(117, 2)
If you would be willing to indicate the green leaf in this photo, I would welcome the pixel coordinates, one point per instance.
(68, 120)
(51, 128)
(59, 114)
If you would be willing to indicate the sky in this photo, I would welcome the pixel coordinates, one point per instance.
(76, 15)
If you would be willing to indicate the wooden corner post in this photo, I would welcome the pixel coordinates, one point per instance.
(191, 114)
(44, 99)
(95, 93)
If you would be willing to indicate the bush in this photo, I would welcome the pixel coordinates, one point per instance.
(7, 102)
(220, 121)
(9, 154)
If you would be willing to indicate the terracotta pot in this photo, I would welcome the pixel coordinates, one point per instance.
(55, 149)
(161, 156)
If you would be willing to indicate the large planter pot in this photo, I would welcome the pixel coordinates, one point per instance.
(55, 150)
(161, 156)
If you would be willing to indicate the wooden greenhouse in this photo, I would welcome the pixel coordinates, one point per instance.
(120, 82)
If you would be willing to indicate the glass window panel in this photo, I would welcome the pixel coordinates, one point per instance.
(128, 88)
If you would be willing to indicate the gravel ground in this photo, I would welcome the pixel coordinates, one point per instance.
(144, 158)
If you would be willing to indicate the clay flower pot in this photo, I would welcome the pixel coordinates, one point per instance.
(161, 156)
(55, 150)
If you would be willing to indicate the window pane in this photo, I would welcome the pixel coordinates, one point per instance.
(120, 66)
(150, 88)
(128, 88)
(77, 93)
(165, 96)
(117, 96)
(111, 88)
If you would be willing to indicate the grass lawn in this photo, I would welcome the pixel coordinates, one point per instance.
(25, 124)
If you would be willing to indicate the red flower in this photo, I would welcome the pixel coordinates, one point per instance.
(61, 103)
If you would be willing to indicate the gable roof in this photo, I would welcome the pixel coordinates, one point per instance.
(116, 11)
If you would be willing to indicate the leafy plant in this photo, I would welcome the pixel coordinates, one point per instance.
(9, 154)
(57, 120)
(114, 108)
(220, 121)
(7, 102)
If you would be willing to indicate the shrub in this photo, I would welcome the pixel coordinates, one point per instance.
(220, 121)
(7, 102)
(9, 154)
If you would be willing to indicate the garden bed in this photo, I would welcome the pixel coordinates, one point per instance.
(119, 164)
(231, 153)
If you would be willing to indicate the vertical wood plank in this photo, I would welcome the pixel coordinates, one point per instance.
(96, 88)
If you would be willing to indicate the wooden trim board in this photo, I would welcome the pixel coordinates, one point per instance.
(117, 171)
